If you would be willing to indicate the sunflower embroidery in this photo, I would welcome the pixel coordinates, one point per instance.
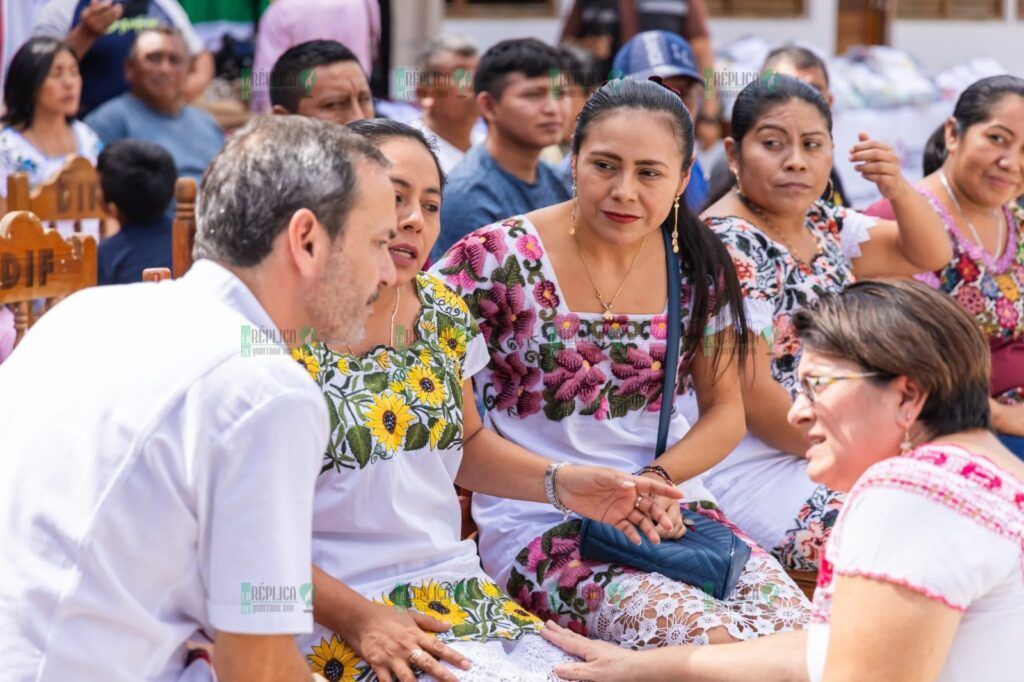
(453, 343)
(382, 360)
(335, 660)
(490, 589)
(342, 366)
(307, 359)
(425, 356)
(510, 608)
(433, 600)
(388, 420)
(436, 430)
(426, 386)
(397, 386)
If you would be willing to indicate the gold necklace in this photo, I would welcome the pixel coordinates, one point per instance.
(394, 313)
(759, 212)
(607, 314)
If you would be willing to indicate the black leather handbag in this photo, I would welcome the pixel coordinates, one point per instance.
(708, 555)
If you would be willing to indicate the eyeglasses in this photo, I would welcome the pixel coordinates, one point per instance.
(811, 385)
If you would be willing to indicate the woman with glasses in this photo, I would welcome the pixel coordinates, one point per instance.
(789, 248)
(923, 575)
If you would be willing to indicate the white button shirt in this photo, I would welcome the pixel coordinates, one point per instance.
(155, 481)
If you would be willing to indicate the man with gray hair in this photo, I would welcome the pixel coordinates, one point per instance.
(444, 91)
(166, 494)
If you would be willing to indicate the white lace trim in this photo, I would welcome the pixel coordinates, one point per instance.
(650, 610)
(530, 659)
(855, 232)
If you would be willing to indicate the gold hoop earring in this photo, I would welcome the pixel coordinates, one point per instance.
(575, 209)
(675, 227)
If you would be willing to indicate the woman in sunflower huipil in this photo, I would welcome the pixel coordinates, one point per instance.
(396, 589)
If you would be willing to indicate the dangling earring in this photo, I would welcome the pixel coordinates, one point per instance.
(906, 446)
(675, 227)
(831, 191)
(575, 207)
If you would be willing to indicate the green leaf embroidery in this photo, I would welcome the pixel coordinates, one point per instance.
(447, 436)
(557, 410)
(360, 442)
(332, 412)
(620, 405)
(416, 437)
(464, 630)
(376, 383)
(400, 597)
(462, 596)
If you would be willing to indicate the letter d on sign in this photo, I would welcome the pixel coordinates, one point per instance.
(10, 270)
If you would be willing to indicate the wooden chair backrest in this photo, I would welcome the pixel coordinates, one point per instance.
(183, 230)
(37, 263)
(72, 194)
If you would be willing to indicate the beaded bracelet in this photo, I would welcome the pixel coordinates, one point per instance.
(655, 469)
(550, 481)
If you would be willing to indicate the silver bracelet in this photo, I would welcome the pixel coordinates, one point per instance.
(550, 481)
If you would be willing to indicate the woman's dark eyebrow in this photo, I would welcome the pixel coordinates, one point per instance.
(615, 157)
(404, 184)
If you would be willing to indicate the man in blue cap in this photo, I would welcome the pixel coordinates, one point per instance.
(668, 56)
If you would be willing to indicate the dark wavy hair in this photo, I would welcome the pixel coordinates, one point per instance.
(28, 71)
(974, 106)
(756, 100)
(703, 257)
(380, 129)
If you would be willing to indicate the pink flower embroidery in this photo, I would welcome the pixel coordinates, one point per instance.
(513, 380)
(577, 374)
(1006, 313)
(643, 372)
(544, 292)
(535, 554)
(465, 262)
(981, 476)
(659, 327)
(615, 327)
(567, 326)
(505, 312)
(971, 300)
(786, 342)
(593, 596)
(573, 571)
(603, 410)
(529, 247)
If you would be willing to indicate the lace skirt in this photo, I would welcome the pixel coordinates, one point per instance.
(646, 610)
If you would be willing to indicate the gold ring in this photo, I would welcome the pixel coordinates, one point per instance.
(636, 505)
(415, 654)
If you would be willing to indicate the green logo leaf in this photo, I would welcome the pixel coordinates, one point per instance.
(307, 77)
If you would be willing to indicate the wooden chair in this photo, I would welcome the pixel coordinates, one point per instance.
(805, 580)
(38, 263)
(72, 194)
(183, 230)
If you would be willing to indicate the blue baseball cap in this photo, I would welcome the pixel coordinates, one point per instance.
(656, 53)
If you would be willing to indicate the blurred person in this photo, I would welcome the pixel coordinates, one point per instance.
(356, 24)
(156, 109)
(137, 181)
(102, 33)
(41, 95)
(504, 175)
(321, 79)
(980, 155)
(444, 74)
(579, 77)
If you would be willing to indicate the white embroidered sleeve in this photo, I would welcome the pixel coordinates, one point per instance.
(904, 538)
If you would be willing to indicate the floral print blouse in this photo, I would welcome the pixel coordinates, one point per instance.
(570, 386)
(987, 288)
(775, 284)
